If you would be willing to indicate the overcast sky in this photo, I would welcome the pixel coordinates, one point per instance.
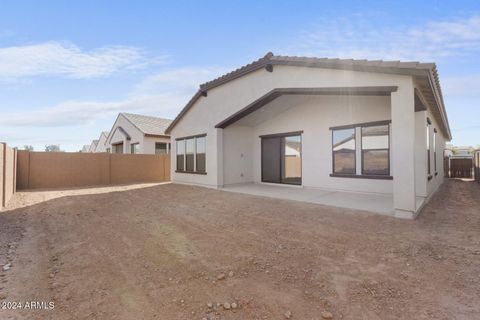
(67, 68)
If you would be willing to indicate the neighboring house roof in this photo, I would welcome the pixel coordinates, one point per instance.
(428, 70)
(93, 145)
(103, 134)
(86, 148)
(148, 125)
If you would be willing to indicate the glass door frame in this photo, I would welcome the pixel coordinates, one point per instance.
(281, 154)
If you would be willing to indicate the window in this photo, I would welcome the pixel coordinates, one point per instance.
(435, 150)
(428, 148)
(180, 155)
(117, 148)
(200, 154)
(134, 148)
(343, 148)
(191, 154)
(161, 148)
(375, 150)
(108, 150)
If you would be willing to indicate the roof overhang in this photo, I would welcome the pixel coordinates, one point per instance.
(427, 71)
(275, 93)
(156, 135)
(122, 131)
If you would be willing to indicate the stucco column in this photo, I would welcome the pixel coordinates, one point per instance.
(421, 176)
(403, 150)
(219, 157)
(126, 146)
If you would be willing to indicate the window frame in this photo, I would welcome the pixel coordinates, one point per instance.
(176, 155)
(429, 147)
(167, 149)
(355, 175)
(204, 153)
(193, 154)
(435, 151)
(132, 147)
(184, 139)
(354, 151)
(362, 150)
(281, 137)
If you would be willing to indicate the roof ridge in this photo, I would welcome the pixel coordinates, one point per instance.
(143, 115)
(363, 65)
(270, 57)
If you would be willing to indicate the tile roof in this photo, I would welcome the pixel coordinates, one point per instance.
(147, 124)
(380, 66)
(363, 65)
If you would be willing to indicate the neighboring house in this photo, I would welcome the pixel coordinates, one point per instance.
(93, 146)
(462, 152)
(101, 147)
(85, 148)
(134, 133)
(352, 125)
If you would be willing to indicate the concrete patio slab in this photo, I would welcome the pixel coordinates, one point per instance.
(378, 203)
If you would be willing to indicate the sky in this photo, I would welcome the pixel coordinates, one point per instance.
(67, 68)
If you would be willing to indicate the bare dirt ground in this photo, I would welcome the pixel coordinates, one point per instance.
(155, 252)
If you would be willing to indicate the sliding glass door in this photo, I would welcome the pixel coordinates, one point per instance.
(282, 158)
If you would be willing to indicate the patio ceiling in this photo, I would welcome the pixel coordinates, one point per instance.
(265, 100)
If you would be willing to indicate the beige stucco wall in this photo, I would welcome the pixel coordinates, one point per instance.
(8, 164)
(227, 99)
(314, 116)
(2, 164)
(425, 187)
(101, 144)
(146, 143)
(438, 176)
(232, 144)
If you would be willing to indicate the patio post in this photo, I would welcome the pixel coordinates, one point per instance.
(403, 147)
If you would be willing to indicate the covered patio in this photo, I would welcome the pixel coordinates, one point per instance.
(372, 202)
(378, 203)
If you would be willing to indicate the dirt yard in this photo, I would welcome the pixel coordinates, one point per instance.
(181, 252)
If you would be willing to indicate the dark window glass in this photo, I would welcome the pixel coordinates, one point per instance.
(180, 155)
(435, 150)
(134, 148)
(200, 154)
(118, 148)
(344, 151)
(428, 149)
(375, 150)
(190, 153)
(160, 148)
(271, 159)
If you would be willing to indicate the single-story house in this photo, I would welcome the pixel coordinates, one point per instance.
(135, 133)
(101, 142)
(372, 127)
(93, 146)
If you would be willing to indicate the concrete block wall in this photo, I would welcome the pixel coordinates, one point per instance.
(42, 170)
(8, 168)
